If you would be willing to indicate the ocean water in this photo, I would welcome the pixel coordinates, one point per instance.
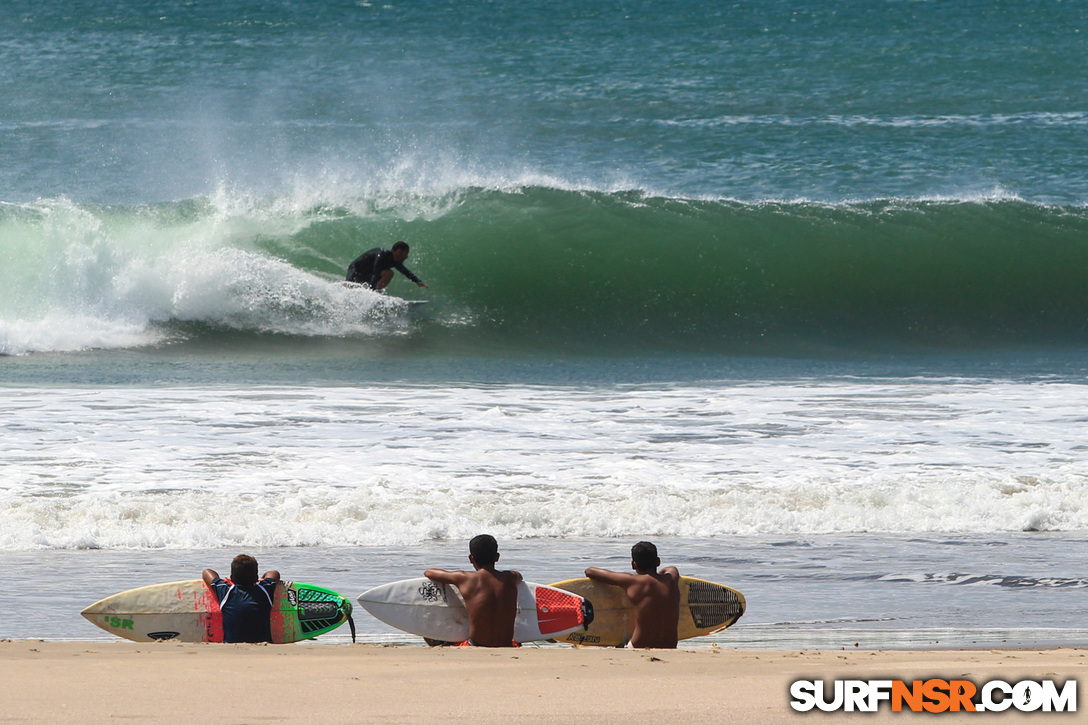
(794, 289)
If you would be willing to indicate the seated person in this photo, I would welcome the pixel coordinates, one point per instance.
(246, 603)
(491, 596)
(655, 596)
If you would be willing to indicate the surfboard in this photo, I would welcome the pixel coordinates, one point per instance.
(705, 608)
(188, 611)
(398, 300)
(437, 611)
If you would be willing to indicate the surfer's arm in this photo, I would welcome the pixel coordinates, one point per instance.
(209, 576)
(615, 578)
(408, 273)
(445, 577)
(670, 571)
(273, 575)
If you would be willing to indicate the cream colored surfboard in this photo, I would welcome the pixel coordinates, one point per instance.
(705, 607)
(188, 611)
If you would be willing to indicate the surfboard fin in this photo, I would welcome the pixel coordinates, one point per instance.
(587, 614)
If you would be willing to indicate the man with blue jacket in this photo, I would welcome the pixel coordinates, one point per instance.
(246, 603)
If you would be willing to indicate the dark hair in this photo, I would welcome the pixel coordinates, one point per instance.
(400, 245)
(243, 570)
(644, 556)
(484, 550)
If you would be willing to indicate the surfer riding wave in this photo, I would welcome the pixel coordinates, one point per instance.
(374, 268)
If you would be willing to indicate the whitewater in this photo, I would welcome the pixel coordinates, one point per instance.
(403, 465)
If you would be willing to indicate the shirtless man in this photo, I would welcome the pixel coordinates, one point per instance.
(491, 596)
(654, 594)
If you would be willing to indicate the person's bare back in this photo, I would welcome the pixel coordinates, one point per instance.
(656, 599)
(491, 596)
(655, 596)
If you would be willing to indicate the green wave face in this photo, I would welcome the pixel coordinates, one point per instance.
(601, 272)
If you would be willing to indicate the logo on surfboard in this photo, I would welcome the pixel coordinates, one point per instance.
(160, 636)
(432, 592)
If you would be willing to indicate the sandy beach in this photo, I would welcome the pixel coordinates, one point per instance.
(94, 682)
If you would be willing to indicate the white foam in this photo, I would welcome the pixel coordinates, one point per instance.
(191, 468)
(82, 278)
(245, 290)
(70, 333)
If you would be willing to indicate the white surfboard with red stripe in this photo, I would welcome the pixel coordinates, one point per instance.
(437, 611)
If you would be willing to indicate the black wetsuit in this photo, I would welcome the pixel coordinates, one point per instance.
(368, 267)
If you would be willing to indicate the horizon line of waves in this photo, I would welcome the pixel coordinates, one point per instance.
(1006, 581)
(1049, 119)
(330, 195)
